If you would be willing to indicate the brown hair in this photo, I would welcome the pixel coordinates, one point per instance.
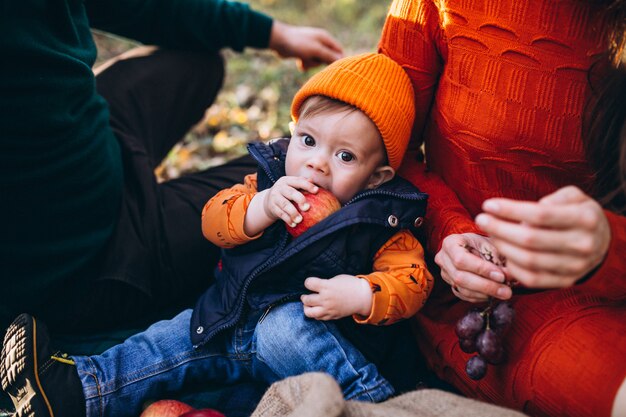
(616, 11)
(315, 105)
(605, 139)
(615, 18)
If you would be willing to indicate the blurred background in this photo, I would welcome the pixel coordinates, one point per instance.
(255, 101)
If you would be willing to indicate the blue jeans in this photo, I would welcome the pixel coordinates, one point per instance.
(162, 360)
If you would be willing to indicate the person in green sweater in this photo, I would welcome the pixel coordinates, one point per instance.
(88, 239)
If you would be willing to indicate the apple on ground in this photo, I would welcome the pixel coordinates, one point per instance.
(166, 408)
(322, 204)
(174, 408)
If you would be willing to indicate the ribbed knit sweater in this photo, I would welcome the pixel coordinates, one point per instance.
(60, 165)
(500, 89)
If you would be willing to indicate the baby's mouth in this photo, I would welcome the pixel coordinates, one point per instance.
(316, 183)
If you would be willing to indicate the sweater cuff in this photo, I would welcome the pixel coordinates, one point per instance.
(380, 301)
(259, 30)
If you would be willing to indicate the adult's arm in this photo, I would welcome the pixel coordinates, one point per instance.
(412, 36)
(191, 24)
(212, 25)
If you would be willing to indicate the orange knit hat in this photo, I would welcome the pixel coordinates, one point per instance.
(377, 86)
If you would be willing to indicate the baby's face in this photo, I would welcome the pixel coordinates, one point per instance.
(339, 151)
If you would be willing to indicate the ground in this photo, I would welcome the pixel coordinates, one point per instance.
(255, 101)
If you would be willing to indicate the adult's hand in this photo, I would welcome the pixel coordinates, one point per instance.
(311, 46)
(551, 243)
(470, 263)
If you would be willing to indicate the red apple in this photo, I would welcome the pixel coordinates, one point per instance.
(203, 412)
(322, 204)
(166, 408)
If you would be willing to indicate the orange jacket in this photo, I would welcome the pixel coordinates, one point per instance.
(400, 281)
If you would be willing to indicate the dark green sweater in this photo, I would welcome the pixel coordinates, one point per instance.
(60, 171)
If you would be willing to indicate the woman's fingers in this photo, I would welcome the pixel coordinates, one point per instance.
(566, 195)
(540, 279)
(472, 277)
(551, 243)
(572, 241)
(556, 263)
(551, 216)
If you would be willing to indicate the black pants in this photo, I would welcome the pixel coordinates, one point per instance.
(157, 259)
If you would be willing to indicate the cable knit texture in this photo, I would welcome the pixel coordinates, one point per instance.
(500, 87)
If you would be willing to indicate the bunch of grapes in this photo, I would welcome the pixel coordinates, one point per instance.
(482, 331)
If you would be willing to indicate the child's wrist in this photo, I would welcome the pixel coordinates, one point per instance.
(256, 219)
(365, 292)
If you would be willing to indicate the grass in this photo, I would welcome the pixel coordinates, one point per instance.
(255, 101)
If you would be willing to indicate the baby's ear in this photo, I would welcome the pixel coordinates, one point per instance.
(380, 176)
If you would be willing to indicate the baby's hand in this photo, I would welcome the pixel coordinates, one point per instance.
(280, 199)
(338, 297)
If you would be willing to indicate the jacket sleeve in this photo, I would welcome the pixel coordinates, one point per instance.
(190, 24)
(400, 282)
(224, 214)
(609, 280)
(413, 37)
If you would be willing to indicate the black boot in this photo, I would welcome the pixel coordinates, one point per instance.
(41, 382)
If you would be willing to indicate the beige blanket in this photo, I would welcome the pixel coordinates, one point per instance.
(318, 395)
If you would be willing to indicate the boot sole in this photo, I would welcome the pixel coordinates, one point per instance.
(18, 369)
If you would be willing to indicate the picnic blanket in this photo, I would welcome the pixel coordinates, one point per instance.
(318, 395)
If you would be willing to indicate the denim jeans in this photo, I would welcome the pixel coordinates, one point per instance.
(162, 360)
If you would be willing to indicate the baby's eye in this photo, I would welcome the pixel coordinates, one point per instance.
(308, 140)
(346, 156)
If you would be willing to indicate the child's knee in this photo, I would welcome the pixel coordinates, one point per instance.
(280, 332)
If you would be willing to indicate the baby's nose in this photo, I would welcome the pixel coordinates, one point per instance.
(318, 163)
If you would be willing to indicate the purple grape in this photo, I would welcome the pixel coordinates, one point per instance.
(470, 325)
(489, 346)
(476, 367)
(502, 316)
(468, 345)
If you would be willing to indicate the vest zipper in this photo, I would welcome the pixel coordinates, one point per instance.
(244, 293)
(262, 163)
(267, 311)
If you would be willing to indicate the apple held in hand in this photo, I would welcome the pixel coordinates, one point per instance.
(166, 408)
(322, 204)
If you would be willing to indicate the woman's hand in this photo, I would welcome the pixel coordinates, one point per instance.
(338, 297)
(311, 46)
(551, 243)
(472, 266)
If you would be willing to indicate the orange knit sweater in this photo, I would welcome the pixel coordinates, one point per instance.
(500, 87)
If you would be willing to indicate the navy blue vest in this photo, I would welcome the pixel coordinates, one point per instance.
(272, 269)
